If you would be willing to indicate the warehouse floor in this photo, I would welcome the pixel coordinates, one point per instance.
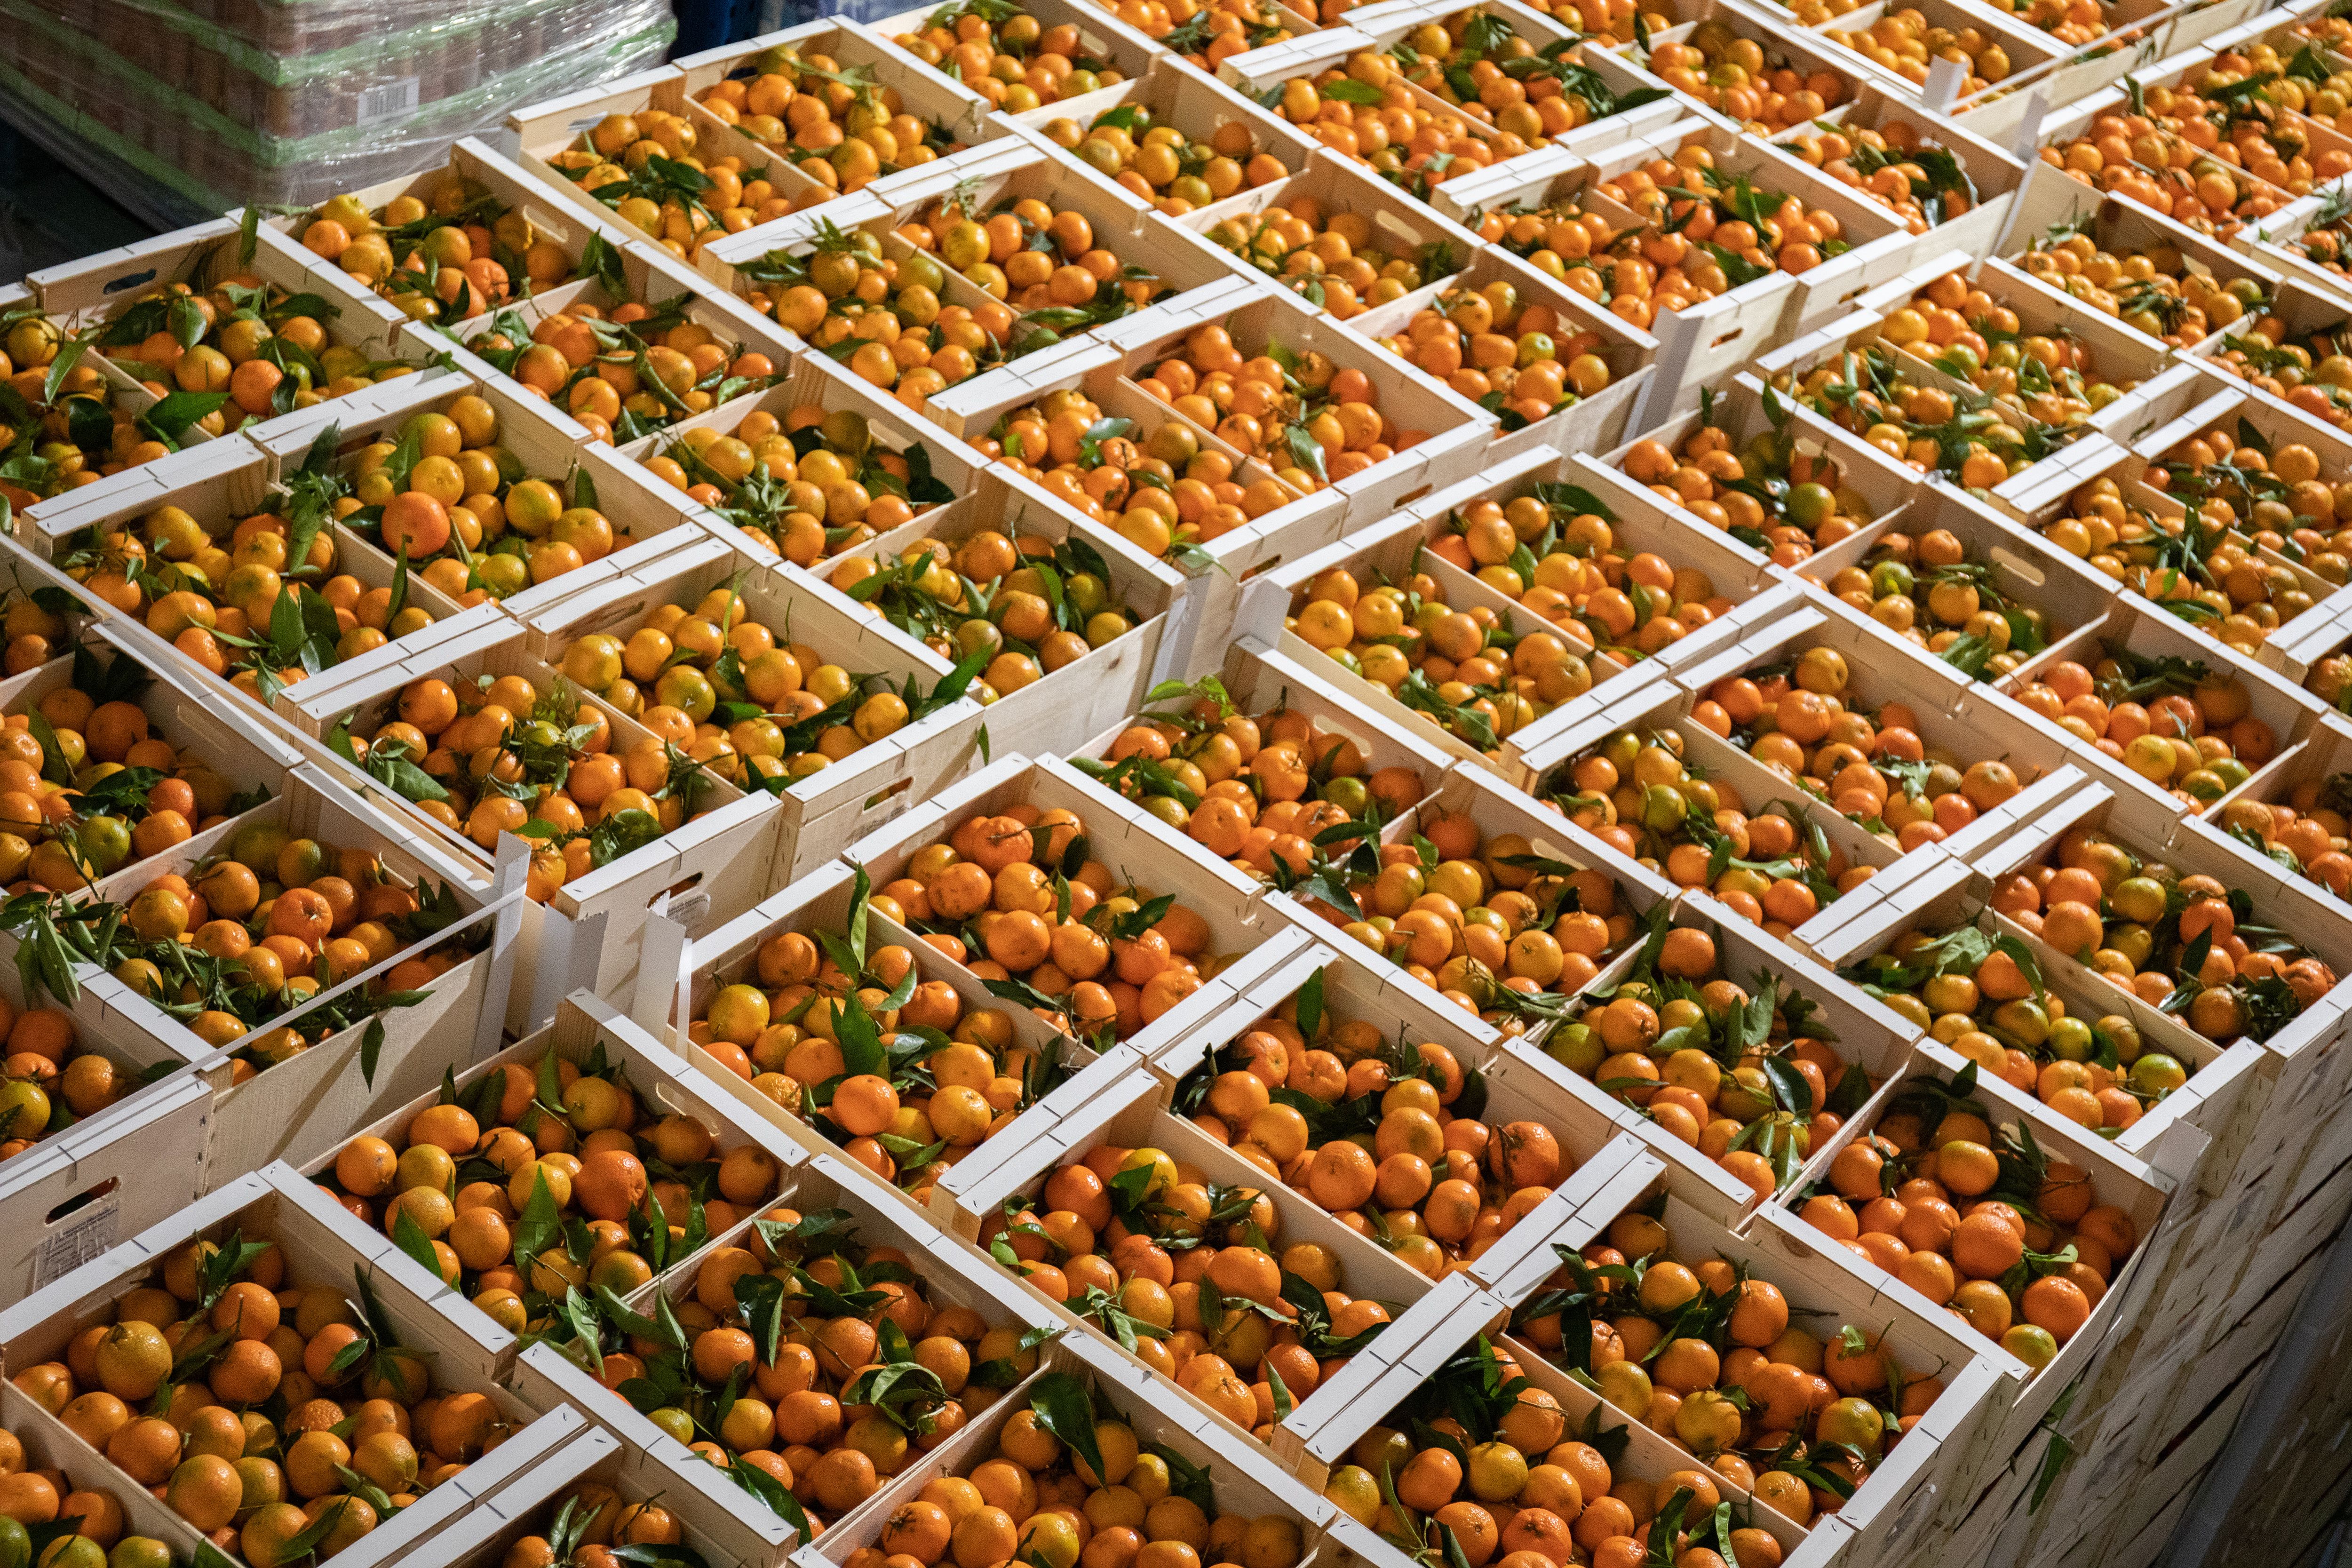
(48, 213)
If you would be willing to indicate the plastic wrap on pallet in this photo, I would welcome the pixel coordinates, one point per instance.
(287, 109)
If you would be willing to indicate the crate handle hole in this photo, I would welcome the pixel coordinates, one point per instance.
(135, 280)
(676, 889)
(82, 1200)
(901, 787)
(1731, 336)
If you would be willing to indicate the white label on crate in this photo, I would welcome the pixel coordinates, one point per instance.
(81, 1237)
(388, 101)
(691, 910)
(2028, 143)
(1945, 80)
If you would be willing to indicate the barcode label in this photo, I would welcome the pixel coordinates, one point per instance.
(388, 101)
(82, 1237)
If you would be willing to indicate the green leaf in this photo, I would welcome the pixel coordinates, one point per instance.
(540, 1226)
(170, 418)
(371, 1051)
(410, 1237)
(1062, 1407)
(772, 1494)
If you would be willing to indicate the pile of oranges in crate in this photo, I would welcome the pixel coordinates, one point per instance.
(1697, 241)
(68, 433)
(2308, 370)
(1897, 165)
(1162, 165)
(1770, 494)
(450, 254)
(844, 127)
(999, 51)
(1523, 360)
(2153, 292)
(1313, 421)
(1444, 1184)
(645, 167)
(2022, 1263)
(1365, 110)
(1527, 96)
(1903, 41)
(2165, 158)
(1459, 668)
(1166, 491)
(1336, 260)
(2194, 566)
(1729, 72)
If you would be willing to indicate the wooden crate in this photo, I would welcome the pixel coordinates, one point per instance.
(1519, 1085)
(1660, 706)
(679, 974)
(1259, 74)
(120, 393)
(308, 1102)
(1257, 680)
(955, 1274)
(2178, 392)
(726, 854)
(1062, 709)
(75, 1193)
(539, 131)
(1393, 550)
(1954, 712)
(2075, 599)
(1910, 1490)
(2026, 46)
(413, 314)
(1592, 424)
(2228, 1084)
(1135, 1116)
(2050, 198)
(1024, 166)
(955, 109)
(1101, 35)
(1215, 574)
(844, 801)
(1457, 433)
(323, 1247)
(1866, 1032)
(1883, 485)
(83, 294)
(1175, 94)
(1876, 104)
(660, 1080)
(224, 482)
(1496, 810)
(1637, 522)
(2309, 1045)
(1135, 847)
(1400, 226)
(1469, 1314)
(650, 276)
(809, 380)
(1245, 1482)
(2121, 353)
(2136, 1188)
(2135, 626)
(1697, 345)
(29, 577)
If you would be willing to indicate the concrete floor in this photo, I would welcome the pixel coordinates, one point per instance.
(49, 214)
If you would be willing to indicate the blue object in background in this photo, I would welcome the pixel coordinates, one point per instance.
(708, 24)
